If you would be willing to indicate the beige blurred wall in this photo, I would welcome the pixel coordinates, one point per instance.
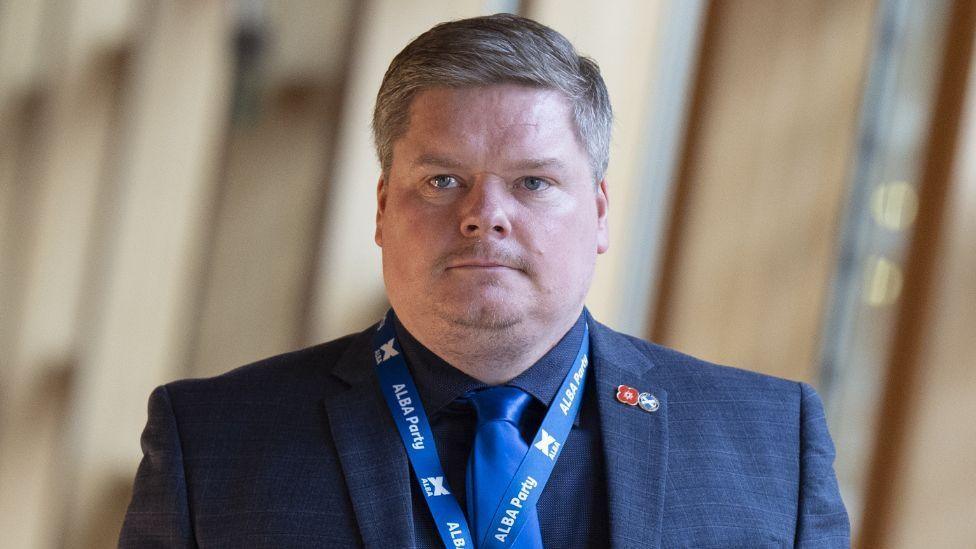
(932, 490)
(273, 186)
(753, 240)
(60, 86)
(169, 211)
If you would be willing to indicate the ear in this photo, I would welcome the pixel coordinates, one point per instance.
(380, 209)
(602, 228)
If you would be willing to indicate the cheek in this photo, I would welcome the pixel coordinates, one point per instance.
(568, 247)
(404, 252)
(563, 246)
(412, 239)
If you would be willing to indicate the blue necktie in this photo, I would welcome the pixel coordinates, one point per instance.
(495, 456)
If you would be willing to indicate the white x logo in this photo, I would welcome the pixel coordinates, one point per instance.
(388, 350)
(438, 483)
(545, 439)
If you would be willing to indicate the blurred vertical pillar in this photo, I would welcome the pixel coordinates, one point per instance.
(21, 72)
(74, 83)
(921, 483)
(22, 68)
(137, 334)
(647, 66)
(751, 245)
(858, 327)
(268, 221)
(349, 291)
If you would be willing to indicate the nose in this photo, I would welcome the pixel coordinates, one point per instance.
(485, 211)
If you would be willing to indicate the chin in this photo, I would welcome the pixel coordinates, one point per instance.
(485, 315)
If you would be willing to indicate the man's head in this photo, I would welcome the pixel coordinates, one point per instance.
(497, 49)
(487, 211)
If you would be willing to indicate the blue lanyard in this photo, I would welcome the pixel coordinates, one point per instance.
(530, 478)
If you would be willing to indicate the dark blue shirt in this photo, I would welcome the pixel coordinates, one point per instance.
(573, 507)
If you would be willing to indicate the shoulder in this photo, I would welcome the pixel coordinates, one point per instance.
(740, 444)
(672, 364)
(249, 451)
(289, 377)
(277, 403)
(694, 383)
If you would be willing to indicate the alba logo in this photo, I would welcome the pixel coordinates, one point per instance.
(547, 444)
(386, 352)
(434, 486)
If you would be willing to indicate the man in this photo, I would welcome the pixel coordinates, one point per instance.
(488, 409)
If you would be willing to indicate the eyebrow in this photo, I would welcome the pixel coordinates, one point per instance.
(538, 164)
(526, 164)
(435, 160)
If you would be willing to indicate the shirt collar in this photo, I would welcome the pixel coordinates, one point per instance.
(440, 384)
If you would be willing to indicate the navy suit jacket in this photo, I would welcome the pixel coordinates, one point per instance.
(299, 450)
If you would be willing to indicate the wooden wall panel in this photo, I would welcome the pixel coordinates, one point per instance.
(932, 492)
(138, 331)
(62, 223)
(752, 247)
(267, 223)
(921, 490)
(60, 96)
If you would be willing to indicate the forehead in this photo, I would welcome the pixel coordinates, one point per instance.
(503, 103)
(486, 121)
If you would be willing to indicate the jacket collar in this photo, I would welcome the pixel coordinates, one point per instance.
(372, 457)
(635, 442)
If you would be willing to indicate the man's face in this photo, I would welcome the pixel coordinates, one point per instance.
(489, 215)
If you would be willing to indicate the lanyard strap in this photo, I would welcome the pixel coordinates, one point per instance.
(530, 478)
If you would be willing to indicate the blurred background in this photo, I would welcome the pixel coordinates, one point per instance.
(188, 185)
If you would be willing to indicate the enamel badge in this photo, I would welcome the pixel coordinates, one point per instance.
(627, 395)
(648, 402)
(632, 397)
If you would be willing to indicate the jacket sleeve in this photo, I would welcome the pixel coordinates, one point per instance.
(158, 515)
(821, 517)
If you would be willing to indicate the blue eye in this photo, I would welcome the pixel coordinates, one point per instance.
(535, 184)
(443, 181)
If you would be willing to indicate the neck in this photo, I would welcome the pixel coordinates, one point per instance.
(492, 356)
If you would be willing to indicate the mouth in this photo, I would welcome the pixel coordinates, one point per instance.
(479, 264)
(482, 258)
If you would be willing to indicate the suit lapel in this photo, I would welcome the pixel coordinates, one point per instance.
(635, 442)
(373, 460)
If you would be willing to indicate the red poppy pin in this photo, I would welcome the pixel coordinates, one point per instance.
(627, 395)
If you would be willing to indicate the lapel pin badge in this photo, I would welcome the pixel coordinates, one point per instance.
(632, 397)
(627, 395)
(648, 402)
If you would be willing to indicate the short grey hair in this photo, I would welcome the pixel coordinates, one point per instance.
(495, 49)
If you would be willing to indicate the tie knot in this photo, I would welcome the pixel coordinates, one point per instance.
(500, 404)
